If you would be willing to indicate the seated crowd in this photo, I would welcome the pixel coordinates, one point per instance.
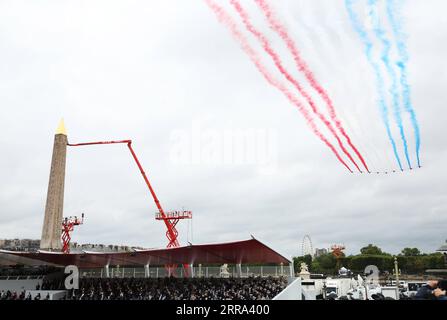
(253, 288)
(178, 289)
(13, 295)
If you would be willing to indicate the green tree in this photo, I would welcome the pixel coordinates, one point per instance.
(416, 264)
(326, 263)
(307, 259)
(371, 249)
(411, 252)
(434, 261)
(359, 262)
(316, 268)
(345, 261)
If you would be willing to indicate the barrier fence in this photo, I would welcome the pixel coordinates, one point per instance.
(182, 272)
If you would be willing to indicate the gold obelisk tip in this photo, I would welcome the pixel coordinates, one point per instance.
(61, 128)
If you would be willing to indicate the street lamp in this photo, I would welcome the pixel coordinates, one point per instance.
(396, 272)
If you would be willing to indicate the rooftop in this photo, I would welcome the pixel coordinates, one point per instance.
(244, 252)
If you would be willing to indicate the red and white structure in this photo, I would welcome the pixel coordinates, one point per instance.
(170, 218)
(68, 225)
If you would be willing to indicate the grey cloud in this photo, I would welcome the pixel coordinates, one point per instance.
(145, 69)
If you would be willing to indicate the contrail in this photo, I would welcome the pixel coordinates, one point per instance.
(402, 64)
(277, 60)
(380, 84)
(381, 35)
(302, 67)
(228, 21)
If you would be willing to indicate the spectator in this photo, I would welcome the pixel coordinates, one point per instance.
(433, 290)
(175, 288)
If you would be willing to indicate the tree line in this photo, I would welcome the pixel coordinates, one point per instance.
(410, 260)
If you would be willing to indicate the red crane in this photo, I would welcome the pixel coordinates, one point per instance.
(67, 227)
(337, 252)
(170, 218)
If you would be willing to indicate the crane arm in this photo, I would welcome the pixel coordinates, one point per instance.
(171, 229)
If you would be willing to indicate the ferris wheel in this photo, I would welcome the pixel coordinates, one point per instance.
(306, 246)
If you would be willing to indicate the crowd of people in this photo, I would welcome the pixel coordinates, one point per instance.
(254, 288)
(14, 295)
(21, 271)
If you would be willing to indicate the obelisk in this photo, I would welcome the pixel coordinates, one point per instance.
(52, 223)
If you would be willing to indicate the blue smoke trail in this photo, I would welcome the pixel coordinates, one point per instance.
(402, 64)
(380, 83)
(381, 35)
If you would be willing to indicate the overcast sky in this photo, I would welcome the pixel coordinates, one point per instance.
(212, 134)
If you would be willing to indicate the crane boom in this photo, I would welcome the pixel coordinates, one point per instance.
(171, 233)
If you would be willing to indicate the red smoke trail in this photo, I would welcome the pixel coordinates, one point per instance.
(227, 20)
(302, 66)
(271, 52)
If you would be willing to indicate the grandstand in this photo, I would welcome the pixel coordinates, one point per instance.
(247, 270)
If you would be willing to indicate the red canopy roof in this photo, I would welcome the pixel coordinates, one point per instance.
(246, 252)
